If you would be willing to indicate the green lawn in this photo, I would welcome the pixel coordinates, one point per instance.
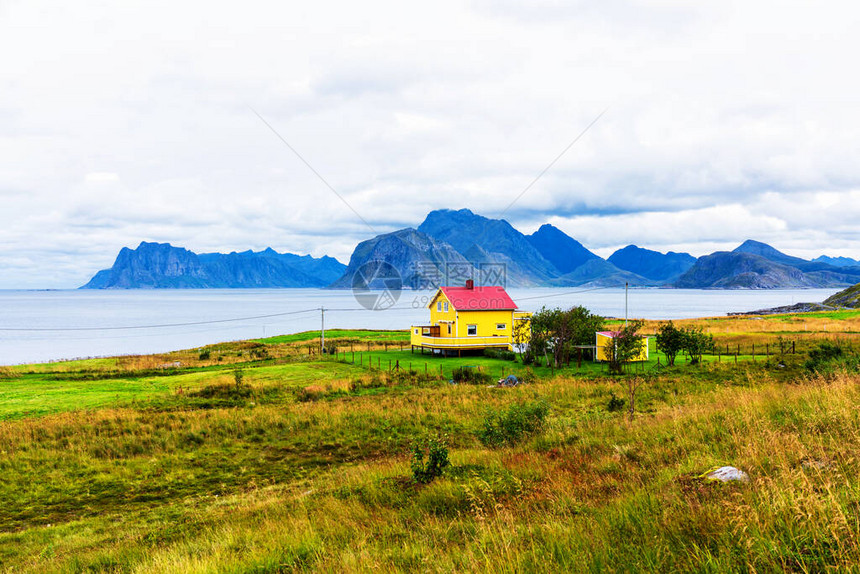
(41, 394)
(354, 334)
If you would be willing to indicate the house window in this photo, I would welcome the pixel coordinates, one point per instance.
(438, 305)
(472, 330)
(501, 326)
(449, 328)
(446, 306)
(416, 331)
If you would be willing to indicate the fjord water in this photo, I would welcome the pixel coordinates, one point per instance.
(37, 326)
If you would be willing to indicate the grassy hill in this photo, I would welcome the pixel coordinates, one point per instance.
(846, 298)
(265, 457)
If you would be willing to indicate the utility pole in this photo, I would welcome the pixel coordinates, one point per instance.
(625, 304)
(322, 330)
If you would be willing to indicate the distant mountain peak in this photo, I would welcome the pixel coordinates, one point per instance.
(767, 251)
(651, 264)
(560, 249)
(504, 245)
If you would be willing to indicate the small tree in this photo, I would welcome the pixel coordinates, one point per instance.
(554, 332)
(625, 346)
(429, 458)
(671, 341)
(521, 334)
(696, 344)
(633, 384)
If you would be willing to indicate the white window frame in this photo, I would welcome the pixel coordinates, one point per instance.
(445, 306)
(438, 306)
(469, 328)
(501, 326)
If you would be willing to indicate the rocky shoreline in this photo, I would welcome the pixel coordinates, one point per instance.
(796, 308)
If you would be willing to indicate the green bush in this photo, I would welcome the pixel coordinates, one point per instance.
(205, 354)
(470, 375)
(615, 403)
(530, 358)
(222, 391)
(429, 458)
(513, 424)
(829, 357)
(374, 382)
(528, 377)
(502, 354)
(260, 352)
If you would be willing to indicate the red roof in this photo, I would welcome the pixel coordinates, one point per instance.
(490, 298)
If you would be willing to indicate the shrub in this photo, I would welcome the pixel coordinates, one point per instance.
(502, 354)
(828, 357)
(528, 377)
(260, 352)
(529, 357)
(374, 382)
(429, 458)
(308, 394)
(222, 391)
(513, 424)
(615, 403)
(238, 377)
(471, 375)
(205, 354)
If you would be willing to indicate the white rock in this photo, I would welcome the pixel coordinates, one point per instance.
(728, 474)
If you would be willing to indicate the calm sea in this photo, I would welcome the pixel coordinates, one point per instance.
(38, 326)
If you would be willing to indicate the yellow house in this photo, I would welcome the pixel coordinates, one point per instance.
(470, 318)
(603, 337)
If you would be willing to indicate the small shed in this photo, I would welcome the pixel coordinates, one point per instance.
(602, 338)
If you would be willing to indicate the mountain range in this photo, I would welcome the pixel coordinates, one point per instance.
(450, 246)
(161, 265)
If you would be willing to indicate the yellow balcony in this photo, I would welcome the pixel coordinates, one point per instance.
(428, 341)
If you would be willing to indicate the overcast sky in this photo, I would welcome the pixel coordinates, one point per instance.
(130, 121)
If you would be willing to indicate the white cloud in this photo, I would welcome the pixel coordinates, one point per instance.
(129, 122)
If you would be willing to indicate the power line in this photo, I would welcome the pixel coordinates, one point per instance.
(563, 294)
(213, 322)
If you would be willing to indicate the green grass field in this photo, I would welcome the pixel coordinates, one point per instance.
(113, 465)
